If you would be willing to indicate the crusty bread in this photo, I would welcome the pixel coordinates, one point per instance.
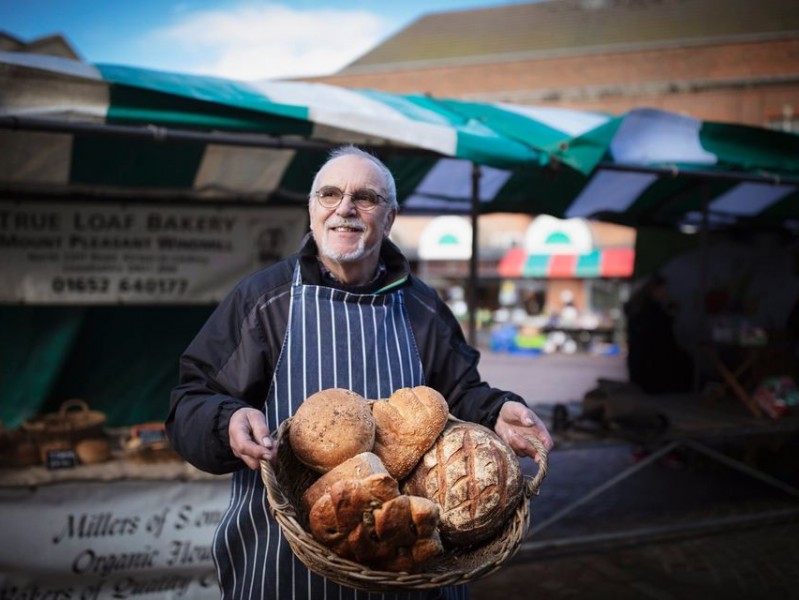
(330, 427)
(406, 426)
(474, 477)
(406, 534)
(359, 466)
(393, 534)
(345, 506)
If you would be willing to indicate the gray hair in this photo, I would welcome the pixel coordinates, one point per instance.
(390, 191)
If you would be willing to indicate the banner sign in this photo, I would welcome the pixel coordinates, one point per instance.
(68, 253)
(102, 540)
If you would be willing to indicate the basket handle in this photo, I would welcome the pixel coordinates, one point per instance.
(277, 499)
(72, 403)
(532, 484)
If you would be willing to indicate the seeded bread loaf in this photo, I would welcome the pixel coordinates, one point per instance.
(330, 427)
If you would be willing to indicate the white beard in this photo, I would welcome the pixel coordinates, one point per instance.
(344, 257)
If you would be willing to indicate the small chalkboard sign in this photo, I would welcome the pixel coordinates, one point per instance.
(149, 433)
(149, 436)
(61, 459)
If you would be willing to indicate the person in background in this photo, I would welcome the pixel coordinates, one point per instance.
(344, 312)
(656, 362)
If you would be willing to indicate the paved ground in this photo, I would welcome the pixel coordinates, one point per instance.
(687, 527)
(549, 378)
(745, 564)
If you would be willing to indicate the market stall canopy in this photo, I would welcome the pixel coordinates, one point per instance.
(565, 249)
(663, 169)
(600, 262)
(646, 168)
(204, 137)
(209, 138)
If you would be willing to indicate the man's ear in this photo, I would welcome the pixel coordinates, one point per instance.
(389, 222)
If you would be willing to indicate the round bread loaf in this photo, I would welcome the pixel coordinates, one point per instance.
(474, 477)
(330, 427)
(407, 424)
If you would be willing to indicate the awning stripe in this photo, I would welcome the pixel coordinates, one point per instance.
(606, 262)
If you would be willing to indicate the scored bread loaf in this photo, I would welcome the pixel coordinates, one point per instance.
(406, 426)
(330, 427)
(474, 477)
(359, 466)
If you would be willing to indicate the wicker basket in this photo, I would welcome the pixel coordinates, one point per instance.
(73, 422)
(288, 478)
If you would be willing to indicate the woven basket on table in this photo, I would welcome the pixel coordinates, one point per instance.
(73, 421)
(288, 478)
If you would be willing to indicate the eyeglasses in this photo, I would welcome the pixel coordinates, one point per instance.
(331, 197)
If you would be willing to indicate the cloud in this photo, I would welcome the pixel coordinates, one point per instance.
(253, 41)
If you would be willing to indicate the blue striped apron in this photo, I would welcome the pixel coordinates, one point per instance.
(359, 342)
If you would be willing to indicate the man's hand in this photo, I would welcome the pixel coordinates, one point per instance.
(516, 424)
(249, 437)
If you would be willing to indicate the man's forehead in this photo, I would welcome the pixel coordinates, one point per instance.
(348, 167)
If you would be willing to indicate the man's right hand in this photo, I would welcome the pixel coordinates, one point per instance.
(249, 437)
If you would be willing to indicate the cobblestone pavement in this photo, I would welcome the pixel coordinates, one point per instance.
(688, 527)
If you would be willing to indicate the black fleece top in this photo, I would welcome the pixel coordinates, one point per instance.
(229, 364)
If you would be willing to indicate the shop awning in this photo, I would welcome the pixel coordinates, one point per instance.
(605, 262)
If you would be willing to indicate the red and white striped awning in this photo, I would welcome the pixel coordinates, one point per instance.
(606, 262)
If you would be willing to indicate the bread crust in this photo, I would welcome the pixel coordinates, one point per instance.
(474, 477)
(359, 522)
(406, 426)
(359, 466)
(330, 427)
(348, 504)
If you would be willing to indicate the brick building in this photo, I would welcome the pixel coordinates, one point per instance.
(723, 60)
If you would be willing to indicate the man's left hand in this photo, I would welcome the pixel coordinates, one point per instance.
(516, 424)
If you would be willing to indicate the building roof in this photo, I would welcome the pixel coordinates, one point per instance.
(52, 45)
(550, 27)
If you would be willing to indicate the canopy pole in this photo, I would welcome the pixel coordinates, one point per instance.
(475, 213)
(703, 277)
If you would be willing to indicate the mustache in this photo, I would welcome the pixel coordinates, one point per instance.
(353, 222)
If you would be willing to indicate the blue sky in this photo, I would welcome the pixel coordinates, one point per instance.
(240, 39)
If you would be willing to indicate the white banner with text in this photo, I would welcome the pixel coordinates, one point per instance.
(110, 252)
(110, 540)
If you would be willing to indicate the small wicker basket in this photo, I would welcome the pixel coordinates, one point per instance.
(288, 478)
(74, 421)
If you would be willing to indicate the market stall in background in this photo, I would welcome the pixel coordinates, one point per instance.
(544, 284)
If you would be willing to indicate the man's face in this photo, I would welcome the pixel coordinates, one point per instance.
(345, 234)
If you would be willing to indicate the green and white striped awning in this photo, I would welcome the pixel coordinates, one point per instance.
(71, 128)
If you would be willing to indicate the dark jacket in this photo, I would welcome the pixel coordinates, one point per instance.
(229, 364)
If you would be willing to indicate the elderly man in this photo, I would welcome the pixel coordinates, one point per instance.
(347, 294)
